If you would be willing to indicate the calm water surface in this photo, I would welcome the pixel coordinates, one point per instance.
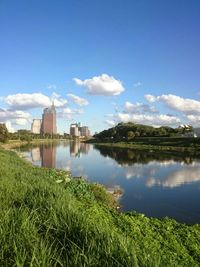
(156, 184)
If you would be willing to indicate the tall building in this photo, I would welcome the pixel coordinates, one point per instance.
(49, 120)
(85, 131)
(36, 126)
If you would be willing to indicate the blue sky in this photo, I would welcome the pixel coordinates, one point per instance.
(145, 56)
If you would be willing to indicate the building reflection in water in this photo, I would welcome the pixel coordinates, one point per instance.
(48, 155)
(77, 148)
(35, 154)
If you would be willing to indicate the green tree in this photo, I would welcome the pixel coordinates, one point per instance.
(3, 133)
(130, 135)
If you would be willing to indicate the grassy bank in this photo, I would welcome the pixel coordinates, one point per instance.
(179, 144)
(49, 219)
(17, 143)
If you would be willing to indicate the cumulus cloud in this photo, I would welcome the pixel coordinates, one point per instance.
(17, 117)
(21, 121)
(69, 113)
(150, 98)
(110, 123)
(30, 101)
(72, 111)
(101, 85)
(156, 120)
(185, 105)
(139, 108)
(78, 100)
(9, 115)
(193, 120)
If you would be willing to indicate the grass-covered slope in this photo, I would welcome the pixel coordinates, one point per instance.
(143, 137)
(48, 220)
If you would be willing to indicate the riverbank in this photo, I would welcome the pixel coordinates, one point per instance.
(188, 145)
(17, 143)
(49, 219)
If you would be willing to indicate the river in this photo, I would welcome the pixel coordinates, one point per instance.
(155, 184)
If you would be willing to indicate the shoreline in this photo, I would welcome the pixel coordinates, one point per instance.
(50, 207)
(149, 148)
(17, 143)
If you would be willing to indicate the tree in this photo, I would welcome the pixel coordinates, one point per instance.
(130, 135)
(3, 133)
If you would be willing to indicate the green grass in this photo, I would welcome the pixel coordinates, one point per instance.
(177, 144)
(49, 219)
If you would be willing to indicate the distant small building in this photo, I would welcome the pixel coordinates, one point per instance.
(36, 126)
(76, 130)
(190, 134)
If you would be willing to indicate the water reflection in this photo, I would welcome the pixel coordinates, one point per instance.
(139, 164)
(78, 148)
(157, 184)
(125, 156)
(178, 178)
(48, 155)
(35, 154)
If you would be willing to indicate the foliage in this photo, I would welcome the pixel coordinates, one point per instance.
(188, 145)
(3, 133)
(130, 131)
(26, 135)
(46, 223)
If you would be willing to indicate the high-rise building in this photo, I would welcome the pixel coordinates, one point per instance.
(36, 126)
(49, 120)
(85, 131)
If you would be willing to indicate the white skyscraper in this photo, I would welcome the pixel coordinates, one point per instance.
(36, 126)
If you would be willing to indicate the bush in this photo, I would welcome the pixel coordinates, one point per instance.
(3, 133)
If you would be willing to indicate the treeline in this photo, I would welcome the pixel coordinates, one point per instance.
(129, 131)
(25, 135)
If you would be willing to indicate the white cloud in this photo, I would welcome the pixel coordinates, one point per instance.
(29, 101)
(139, 108)
(69, 113)
(185, 105)
(150, 98)
(154, 120)
(17, 117)
(101, 85)
(137, 84)
(78, 100)
(193, 120)
(72, 111)
(110, 123)
(9, 115)
(21, 121)
(59, 102)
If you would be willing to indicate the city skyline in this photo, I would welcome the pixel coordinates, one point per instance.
(102, 63)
